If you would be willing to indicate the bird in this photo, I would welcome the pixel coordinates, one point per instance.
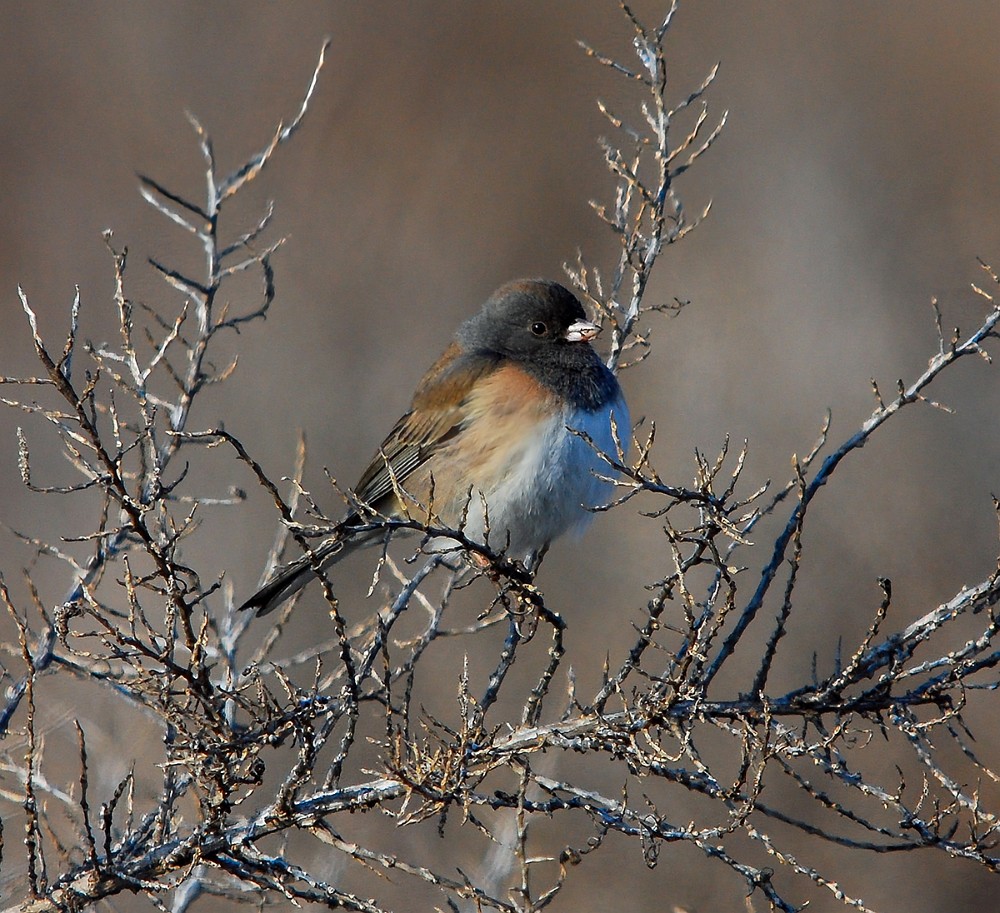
(503, 438)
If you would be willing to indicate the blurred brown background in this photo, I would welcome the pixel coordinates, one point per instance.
(452, 146)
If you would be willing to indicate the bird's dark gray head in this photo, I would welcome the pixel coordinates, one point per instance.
(526, 317)
(543, 327)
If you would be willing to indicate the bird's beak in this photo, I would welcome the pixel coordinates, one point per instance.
(581, 331)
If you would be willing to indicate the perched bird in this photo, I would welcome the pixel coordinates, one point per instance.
(488, 441)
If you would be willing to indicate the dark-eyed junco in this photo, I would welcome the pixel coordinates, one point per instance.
(488, 441)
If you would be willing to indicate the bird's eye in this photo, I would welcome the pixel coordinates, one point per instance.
(538, 328)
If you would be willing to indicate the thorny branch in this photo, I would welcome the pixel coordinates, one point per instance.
(266, 744)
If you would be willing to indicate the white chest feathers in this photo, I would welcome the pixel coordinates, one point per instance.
(551, 483)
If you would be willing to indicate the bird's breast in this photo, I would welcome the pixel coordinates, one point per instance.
(530, 461)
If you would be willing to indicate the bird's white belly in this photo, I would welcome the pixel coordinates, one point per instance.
(550, 485)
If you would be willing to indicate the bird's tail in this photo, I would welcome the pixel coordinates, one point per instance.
(293, 577)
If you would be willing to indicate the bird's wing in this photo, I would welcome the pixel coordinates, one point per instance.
(435, 416)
